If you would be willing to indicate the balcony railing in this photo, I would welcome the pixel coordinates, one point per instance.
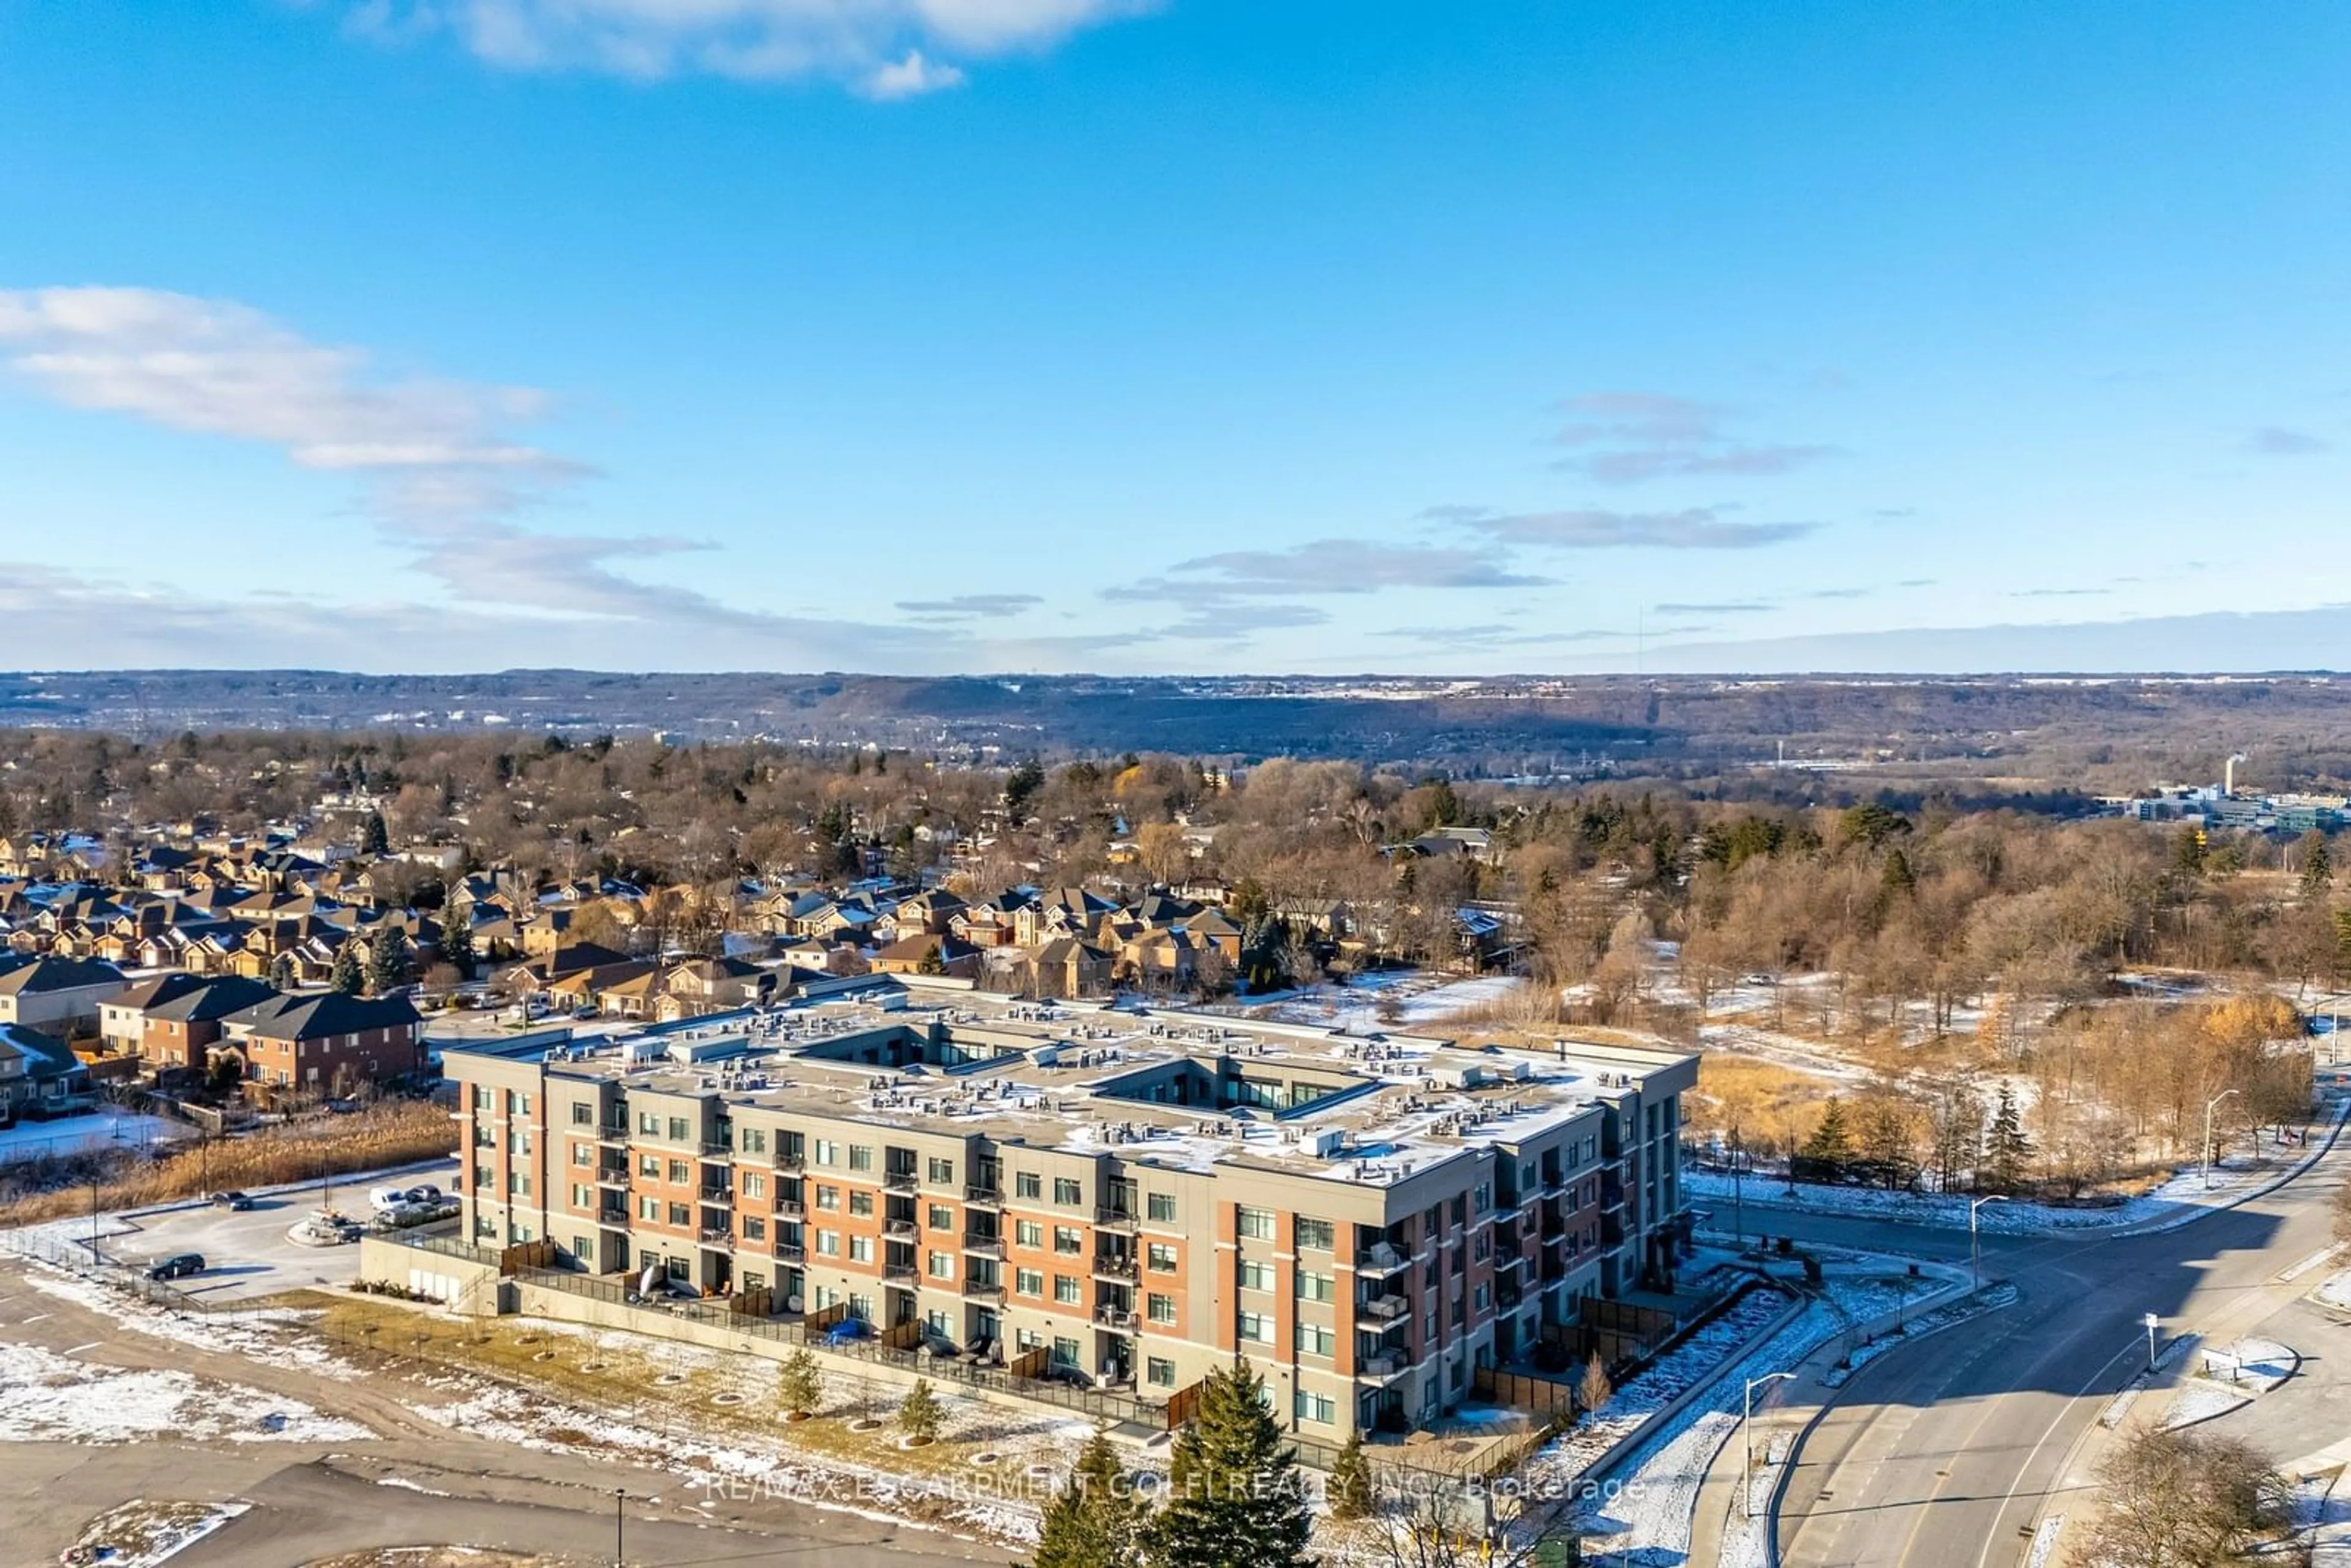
(898, 1273)
(902, 1228)
(1115, 1269)
(608, 1176)
(791, 1207)
(1116, 1219)
(790, 1160)
(991, 1246)
(791, 1251)
(718, 1196)
(717, 1151)
(900, 1181)
(1385, 1308)
(1383, 1257)
(984, 1197)
(1115, 1318)
(716, 1236)
(991, 1290)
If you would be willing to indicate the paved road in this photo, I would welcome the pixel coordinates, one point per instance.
(1942, 1455)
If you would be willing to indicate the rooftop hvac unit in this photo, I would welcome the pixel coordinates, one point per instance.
(1328, 1141)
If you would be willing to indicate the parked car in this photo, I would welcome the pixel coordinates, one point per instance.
(178, 1266)
(846, 1330)
(427, 1194)
(236, 1202)
(383, 1199)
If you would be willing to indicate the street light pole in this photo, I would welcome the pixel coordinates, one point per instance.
(620, 1496)
(1747, 1438)
(1975, 1241)
(2151, 1322)
(2210, 1105)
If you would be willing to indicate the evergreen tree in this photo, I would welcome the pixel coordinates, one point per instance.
(2007, 1150)
(374, 838)
(2187, 852)
(1899, 881)
(800, 1387)
(1096, 1522)
(457, 938)
(920, 1417)
(2317, 866)
(1830, 1145)
(1350, 1478)
(1235, 1499)
(346, 976)
(281, 972)
(392, 959)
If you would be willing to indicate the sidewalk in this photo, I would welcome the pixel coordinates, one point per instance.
(1719, 1498)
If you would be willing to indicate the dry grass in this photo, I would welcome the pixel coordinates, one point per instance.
(393, 1134)
(450, 1557)
(1762, 1098)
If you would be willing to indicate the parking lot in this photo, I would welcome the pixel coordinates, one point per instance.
(246, 1255)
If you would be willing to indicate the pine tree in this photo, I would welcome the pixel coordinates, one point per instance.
(920, 1417)
(457, 938)
(1095, 1521)
(1235, 1499)
(1351, 1478)
(800, 1387)
(346, 976)
(392, 959)
(2318, 867)
(1899, 881)
(1830, 1145)
(2006, 1150)
(375, 839)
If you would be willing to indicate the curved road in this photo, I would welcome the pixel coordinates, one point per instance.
(1942, 1455)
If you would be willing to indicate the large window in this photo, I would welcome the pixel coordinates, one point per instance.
(1067, 1192)
(1255, 1276)
(860, 1250)
(1161, 1207)
(1027, 1184)
(942, 1265)
(1317, 1339)
(1318, 1407)
(1163, 1308)
(1029, 1232)
(942, 1172)
(1257, 1327)
(1159, 1257)
(1068, 1241)
(861, 1156)
(1256, 1224)
(1314, 1233)
(1065, 1290)
(1028, 1282)
(827, 1152)
(1316, 1287)
(1159, 1372)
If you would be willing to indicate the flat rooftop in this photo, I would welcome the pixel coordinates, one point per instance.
(1163, 1085)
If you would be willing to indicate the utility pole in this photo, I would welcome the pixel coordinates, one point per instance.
(620, 1496)
(1975, 1240)
(2210, 1105)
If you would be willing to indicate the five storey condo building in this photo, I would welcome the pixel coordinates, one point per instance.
(1143, 1193)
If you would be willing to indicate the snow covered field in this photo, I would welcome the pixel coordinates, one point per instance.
(55, 1398)
(105, 1128)
(1419, 999)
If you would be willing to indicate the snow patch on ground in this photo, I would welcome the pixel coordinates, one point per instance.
(142, 1534)
(2201, 1401)
(53, 1398)
(2181, 1194)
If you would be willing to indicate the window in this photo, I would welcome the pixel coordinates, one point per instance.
(1483, 1196)
(582, 1154)
(584, 1115)
(1067, 1193)
(861, 1204)
(680, 1129)
(1162, 1308)
(1255, 1276)
(861, 1156)
(1029, 1184)
(1314, 1407)
(860, 1250)
(1159, 1372)
(1257, 1327)
(828, 1196)
(1317, 1339)
(1485, 1296)
(649, 1209)
(941, 1216)
(828, 1243)
(827, 1152)
(518, 1183)
(1065, 1352)
(1027, 1339)
(942, 1172)
(518, 1105)
(1161, 1206)
(1065, 1290)
(1028, 1282)
(582, 1197)
(1256, 1224)
(647, 1123)
(754, 1141)
(753, 1184)
(1027, 1233)
(680, 1173)
(679, 1216)
(484, 1101)
(753, 1229)
(583, 1249)
(941, 1266)
(1159, 1257)
(1314, 1233)
(1067, 1241)
(1317, 1287)
(517, 1142)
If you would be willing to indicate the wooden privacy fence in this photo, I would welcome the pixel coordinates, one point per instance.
(1524, 1391)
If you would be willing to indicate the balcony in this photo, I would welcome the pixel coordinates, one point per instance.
(983, 1196)
(790, 1160)
(1115, 1268)
(791, 1208)
(898, 1273)
(791, 1252)
(613, 1216)
(718, 1151)
(1507, 1259)
(900, 1181)
(716, 1236)
(1122, 1318)
(989, 1246)
(1611, 1198)
(1383, 1259)
(987, 1291)
(902, 1230)
(1118, 1220)
(717, 1198)
(1381, 1369)
(1384, 1309)
(613, 1175)
(612, 1138)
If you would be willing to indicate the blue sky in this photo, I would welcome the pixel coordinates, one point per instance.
(913, 335)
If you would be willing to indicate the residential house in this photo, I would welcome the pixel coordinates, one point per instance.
(326, 1041)
(57, 996)
(39, 1075)
(181, 1030)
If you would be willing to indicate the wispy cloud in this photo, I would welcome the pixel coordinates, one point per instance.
(969, 605)
(2059, 592)
(1735, 607)
(1694, 528)
(1630, 437)
(1493, 634)
(2277, 440)
(1321, 567)
(883, 48)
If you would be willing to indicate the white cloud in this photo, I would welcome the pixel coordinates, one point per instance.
(911, 78)
(888, 48)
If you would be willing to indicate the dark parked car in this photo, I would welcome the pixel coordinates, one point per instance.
(178, 1266)
(236, 1201)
